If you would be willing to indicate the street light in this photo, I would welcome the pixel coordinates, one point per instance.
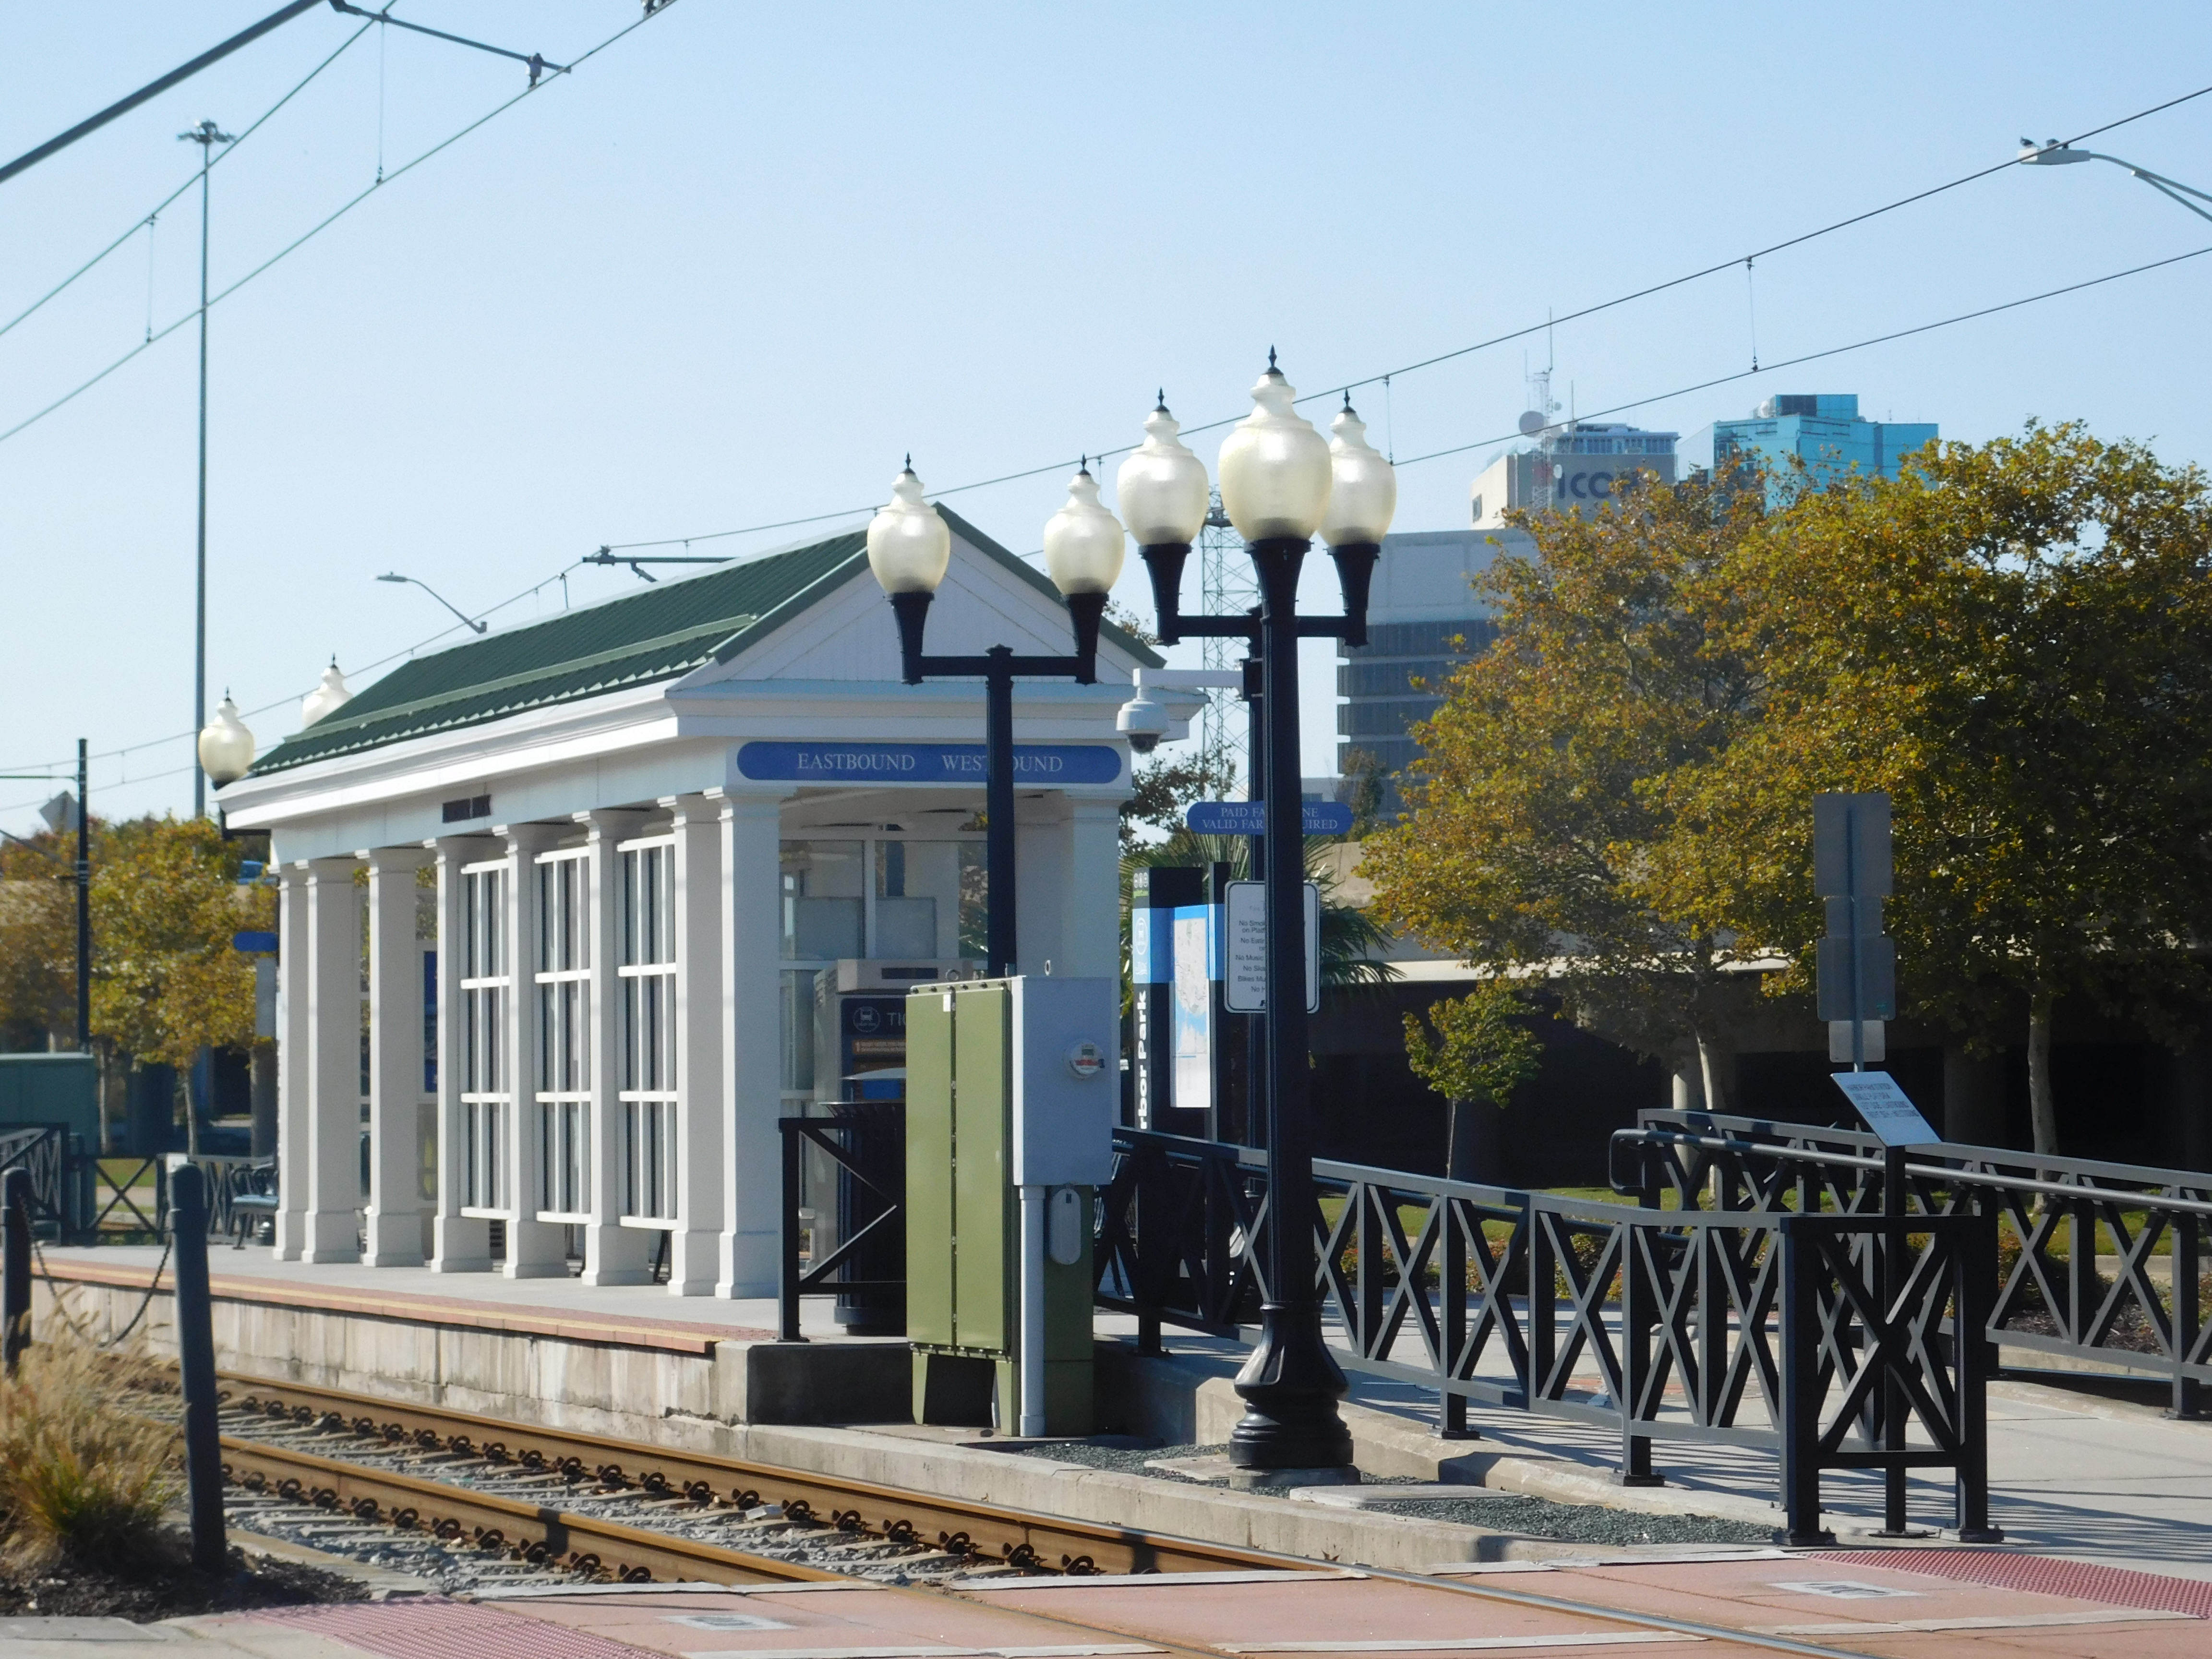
(226, 748)
(467, 620)
(1280, 483)
(206, 136)
(330, 695)
(2052, 154)
(910, 549)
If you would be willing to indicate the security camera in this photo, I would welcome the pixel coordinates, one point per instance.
(1143, 721)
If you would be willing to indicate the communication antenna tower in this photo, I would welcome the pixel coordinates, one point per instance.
(1225, 575)
(1535, 423)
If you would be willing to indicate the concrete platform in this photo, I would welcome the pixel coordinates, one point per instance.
(2072, 1474)
(1716, 1609)
(610, 1359)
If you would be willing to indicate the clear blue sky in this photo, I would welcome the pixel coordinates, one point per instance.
(733, 268)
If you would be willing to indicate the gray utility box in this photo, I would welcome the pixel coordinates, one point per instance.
(1012, 1089)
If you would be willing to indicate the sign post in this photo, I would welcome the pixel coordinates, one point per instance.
(1857, 964)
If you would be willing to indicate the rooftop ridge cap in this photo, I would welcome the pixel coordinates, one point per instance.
(340, 722)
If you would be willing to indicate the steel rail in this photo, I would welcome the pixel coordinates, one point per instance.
(1049, 1543)
(554, 1536)
(537, 1533)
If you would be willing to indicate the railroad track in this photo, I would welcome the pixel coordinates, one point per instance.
(473, 1502)
(467, 1500)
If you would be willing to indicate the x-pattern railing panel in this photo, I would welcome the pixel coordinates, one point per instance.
(2106, 1307)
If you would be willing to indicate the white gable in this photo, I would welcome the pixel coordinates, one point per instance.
(851, 634)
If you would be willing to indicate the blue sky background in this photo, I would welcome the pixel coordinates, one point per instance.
(731, 270)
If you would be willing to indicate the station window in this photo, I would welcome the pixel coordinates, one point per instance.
(646, 974)
(825, 900)
(564, 1001)
(483, 988)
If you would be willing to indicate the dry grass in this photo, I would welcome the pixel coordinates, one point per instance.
(87, 1461)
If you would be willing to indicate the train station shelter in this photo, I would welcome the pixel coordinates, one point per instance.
(572, 913)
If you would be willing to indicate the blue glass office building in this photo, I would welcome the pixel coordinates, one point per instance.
(1825, 430)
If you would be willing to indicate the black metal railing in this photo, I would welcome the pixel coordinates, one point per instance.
(1822, 1337)
(871, 1176)
(41, 1149)
(2053, 1294)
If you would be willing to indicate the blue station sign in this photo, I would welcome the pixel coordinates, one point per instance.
(1250, 817)
(939, 763)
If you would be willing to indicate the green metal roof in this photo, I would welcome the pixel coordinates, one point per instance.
(661, 633)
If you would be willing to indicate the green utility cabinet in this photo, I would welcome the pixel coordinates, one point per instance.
(1010, 1096)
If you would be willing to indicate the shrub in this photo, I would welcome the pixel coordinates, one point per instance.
(87, 1463)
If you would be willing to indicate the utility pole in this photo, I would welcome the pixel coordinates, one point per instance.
(206, 136)
(83, 909)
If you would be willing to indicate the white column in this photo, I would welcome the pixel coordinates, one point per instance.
(460, 1244)
(330, 1231)
(752, 1190)
(395, 1058)
(535, 1248)
(1090, 896)
(613, 1253)
(1041, 880)
(693, 1247)
(294, 1062)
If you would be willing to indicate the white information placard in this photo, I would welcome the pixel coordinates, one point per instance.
(1244, 948)
(1885, 1108)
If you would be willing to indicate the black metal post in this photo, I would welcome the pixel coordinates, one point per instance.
(1255, 1025)
(188, 1218)
(787, 1279)
(997, 668)
(14, 1267)
(83, 909)
(1291, 1383)
(2188, 1392)
(1800, 1388)
(1893, 1247)
(998, 812)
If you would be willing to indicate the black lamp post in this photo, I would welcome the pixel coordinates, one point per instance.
(909, 548)
(1280, 483)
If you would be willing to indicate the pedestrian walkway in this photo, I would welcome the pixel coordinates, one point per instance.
(1716, 1609)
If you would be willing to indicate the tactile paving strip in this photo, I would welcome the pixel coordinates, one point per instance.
(2085, 1580)
(434, 1628)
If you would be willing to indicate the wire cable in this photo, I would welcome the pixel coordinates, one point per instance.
(1387, 375)
(326, 223)
(1412, 460)
(147, 217)
(1837, 351)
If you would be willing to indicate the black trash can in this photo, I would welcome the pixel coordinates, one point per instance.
(150, 1111)
(875, 1143)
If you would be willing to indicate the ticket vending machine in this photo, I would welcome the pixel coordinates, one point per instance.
(1012, 1089)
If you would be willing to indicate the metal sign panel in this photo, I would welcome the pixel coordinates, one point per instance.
(1850, 845)
(1884, 1106)
(1244, 947)
(1878, 972)
(1250, 817)
(934, 764)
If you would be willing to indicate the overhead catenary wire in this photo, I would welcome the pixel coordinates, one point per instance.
(1053, 466)
(1385, 376)
(1412, 460)
(317, 228)
(293, 696)
(145, 219)
(1837, 351)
